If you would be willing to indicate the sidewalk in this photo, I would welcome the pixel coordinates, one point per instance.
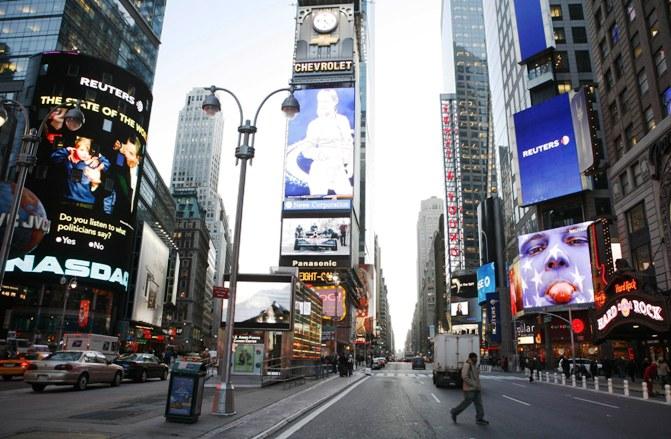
(259, 412)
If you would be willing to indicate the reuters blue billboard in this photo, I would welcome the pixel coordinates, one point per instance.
(555, 267)
(547, 155)
(534, 29)
(319, 160)
(87, 178)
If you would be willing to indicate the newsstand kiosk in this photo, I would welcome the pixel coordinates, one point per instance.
(185, 393)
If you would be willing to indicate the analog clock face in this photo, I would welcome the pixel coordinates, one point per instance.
(325, 22)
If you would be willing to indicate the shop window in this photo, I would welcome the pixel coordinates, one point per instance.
(583, 61)
(579, 35)
(575, 11)
(555, 12)
(560, 35)
(649, 118)
(660, 61)
(642, 81)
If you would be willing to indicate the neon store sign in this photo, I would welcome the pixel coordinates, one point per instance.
(627, 308)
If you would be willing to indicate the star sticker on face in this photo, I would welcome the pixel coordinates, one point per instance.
(527, 265)
(537, 279)
(578, 278)
(524, 285)
(555, 251)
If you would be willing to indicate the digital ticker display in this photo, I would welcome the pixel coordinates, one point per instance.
(546, 151)
(87, 178)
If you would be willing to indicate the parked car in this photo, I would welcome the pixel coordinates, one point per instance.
(140, 367)
(418, 363)
(381, 361)
(78, 368)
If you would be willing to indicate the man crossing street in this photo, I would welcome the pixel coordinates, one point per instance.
(470, 376)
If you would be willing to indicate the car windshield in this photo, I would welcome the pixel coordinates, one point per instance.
(131, 357)
(65, 356)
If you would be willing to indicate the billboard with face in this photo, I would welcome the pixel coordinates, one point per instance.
(315, 236)
(152, 271)
(459, 309)
(87, 178)
(546, 151)
(262, 302)
(319, 161)
(555, 267)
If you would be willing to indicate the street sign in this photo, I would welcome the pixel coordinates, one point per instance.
(220, 292)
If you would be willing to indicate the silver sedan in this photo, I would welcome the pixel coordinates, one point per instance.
(78, 368)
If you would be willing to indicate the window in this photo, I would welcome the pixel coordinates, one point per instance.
(642, 81)
(603, 49)
(560, 36)
(630, 136)
(564, 87)
(575, 12)
(561, 64)
(598, 19)
(609, 6)
(637, 172)
(649, 118)
(614, 113)
(624, 183)
(608, 77)
(555, 12)
(583, 61)
(641, 258)
(618, 66)
(660, 61)
(636, 45)
(622, 98)
(666, 101)
(579, 35)
(652, 24)
(631, 10)
(614, 34)
(619, 147)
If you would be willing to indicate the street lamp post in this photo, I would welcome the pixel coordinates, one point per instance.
(223, 403)
(570, 328)
(74, 119)
(69, 285)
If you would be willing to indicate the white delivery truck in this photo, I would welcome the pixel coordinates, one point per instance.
(105, 344)
(450, 353)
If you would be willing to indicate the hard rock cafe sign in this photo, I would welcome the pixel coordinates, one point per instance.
(633, 308)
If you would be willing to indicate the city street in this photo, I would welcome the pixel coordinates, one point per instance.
(397, 402)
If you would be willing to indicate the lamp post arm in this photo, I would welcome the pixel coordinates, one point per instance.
(214, 88)
(258, 110)
(24, 111)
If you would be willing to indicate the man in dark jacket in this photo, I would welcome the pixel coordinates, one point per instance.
(532, 365)
(470, 375)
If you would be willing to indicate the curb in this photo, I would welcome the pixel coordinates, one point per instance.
(277, 427)
(635, 398)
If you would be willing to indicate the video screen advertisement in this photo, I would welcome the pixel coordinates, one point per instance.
(555, 267)
(87, 179)
(262, 302)
(319, 160)
(534, 28)
(486, 282)
(152, 272)
(547, 154)
(315, 236)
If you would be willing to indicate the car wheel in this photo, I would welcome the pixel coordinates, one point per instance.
(7, 377)
(117, 380)
(143, 377)
(39, 387)
(164, 375)
(82, 382)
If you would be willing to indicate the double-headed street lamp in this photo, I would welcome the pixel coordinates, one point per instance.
(69, 285)
(223, 399)
(73, 119)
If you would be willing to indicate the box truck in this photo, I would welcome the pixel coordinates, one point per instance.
(450, 353)
(105, 344)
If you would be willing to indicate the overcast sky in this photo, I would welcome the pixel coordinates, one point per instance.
(247, 47)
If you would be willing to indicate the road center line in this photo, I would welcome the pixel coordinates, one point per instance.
(434, 397)
(597, 403)
(300, 424)
(518, 385)
(516, 400)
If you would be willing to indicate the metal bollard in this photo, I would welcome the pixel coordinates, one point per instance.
(555, 377)
(596, 383)
(539, 377)
(626, 387)
(573, 380)
(667, 393)
(644, 386)
(547, 376)
(584, 382)
(610, 385)
(563, 380)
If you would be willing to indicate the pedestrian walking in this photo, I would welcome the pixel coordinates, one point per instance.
(593, 369)
(532, 365)
(663, 372)
(649, 376)
(470, 375)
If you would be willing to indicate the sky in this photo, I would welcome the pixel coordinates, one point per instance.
(247, 47)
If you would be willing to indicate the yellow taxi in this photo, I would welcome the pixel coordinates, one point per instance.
(14, 367)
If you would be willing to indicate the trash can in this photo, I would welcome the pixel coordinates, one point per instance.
(185, 392)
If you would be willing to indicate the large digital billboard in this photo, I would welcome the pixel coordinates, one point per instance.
(534, 28)
(486, 282)
(152, 271)
(547, 154)
(555, 267)
(87, 179)
(319, 161)
(262, 302)
(315, 236)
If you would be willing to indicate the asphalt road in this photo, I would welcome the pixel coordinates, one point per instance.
(397, 402)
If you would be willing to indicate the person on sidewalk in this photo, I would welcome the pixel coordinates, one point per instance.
(663, 372)
(649, 376)
(470, 375)
(531, 364)
(566, 367)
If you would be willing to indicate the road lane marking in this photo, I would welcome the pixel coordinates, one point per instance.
(518, 385)
(597, 402)
(300, 424)
(516, 400)
(434, 397)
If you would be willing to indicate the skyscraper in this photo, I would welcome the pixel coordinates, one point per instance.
(196, 167)
(469, 172)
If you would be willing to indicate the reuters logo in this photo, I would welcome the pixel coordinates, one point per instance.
(565, 140)
(139, 106)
